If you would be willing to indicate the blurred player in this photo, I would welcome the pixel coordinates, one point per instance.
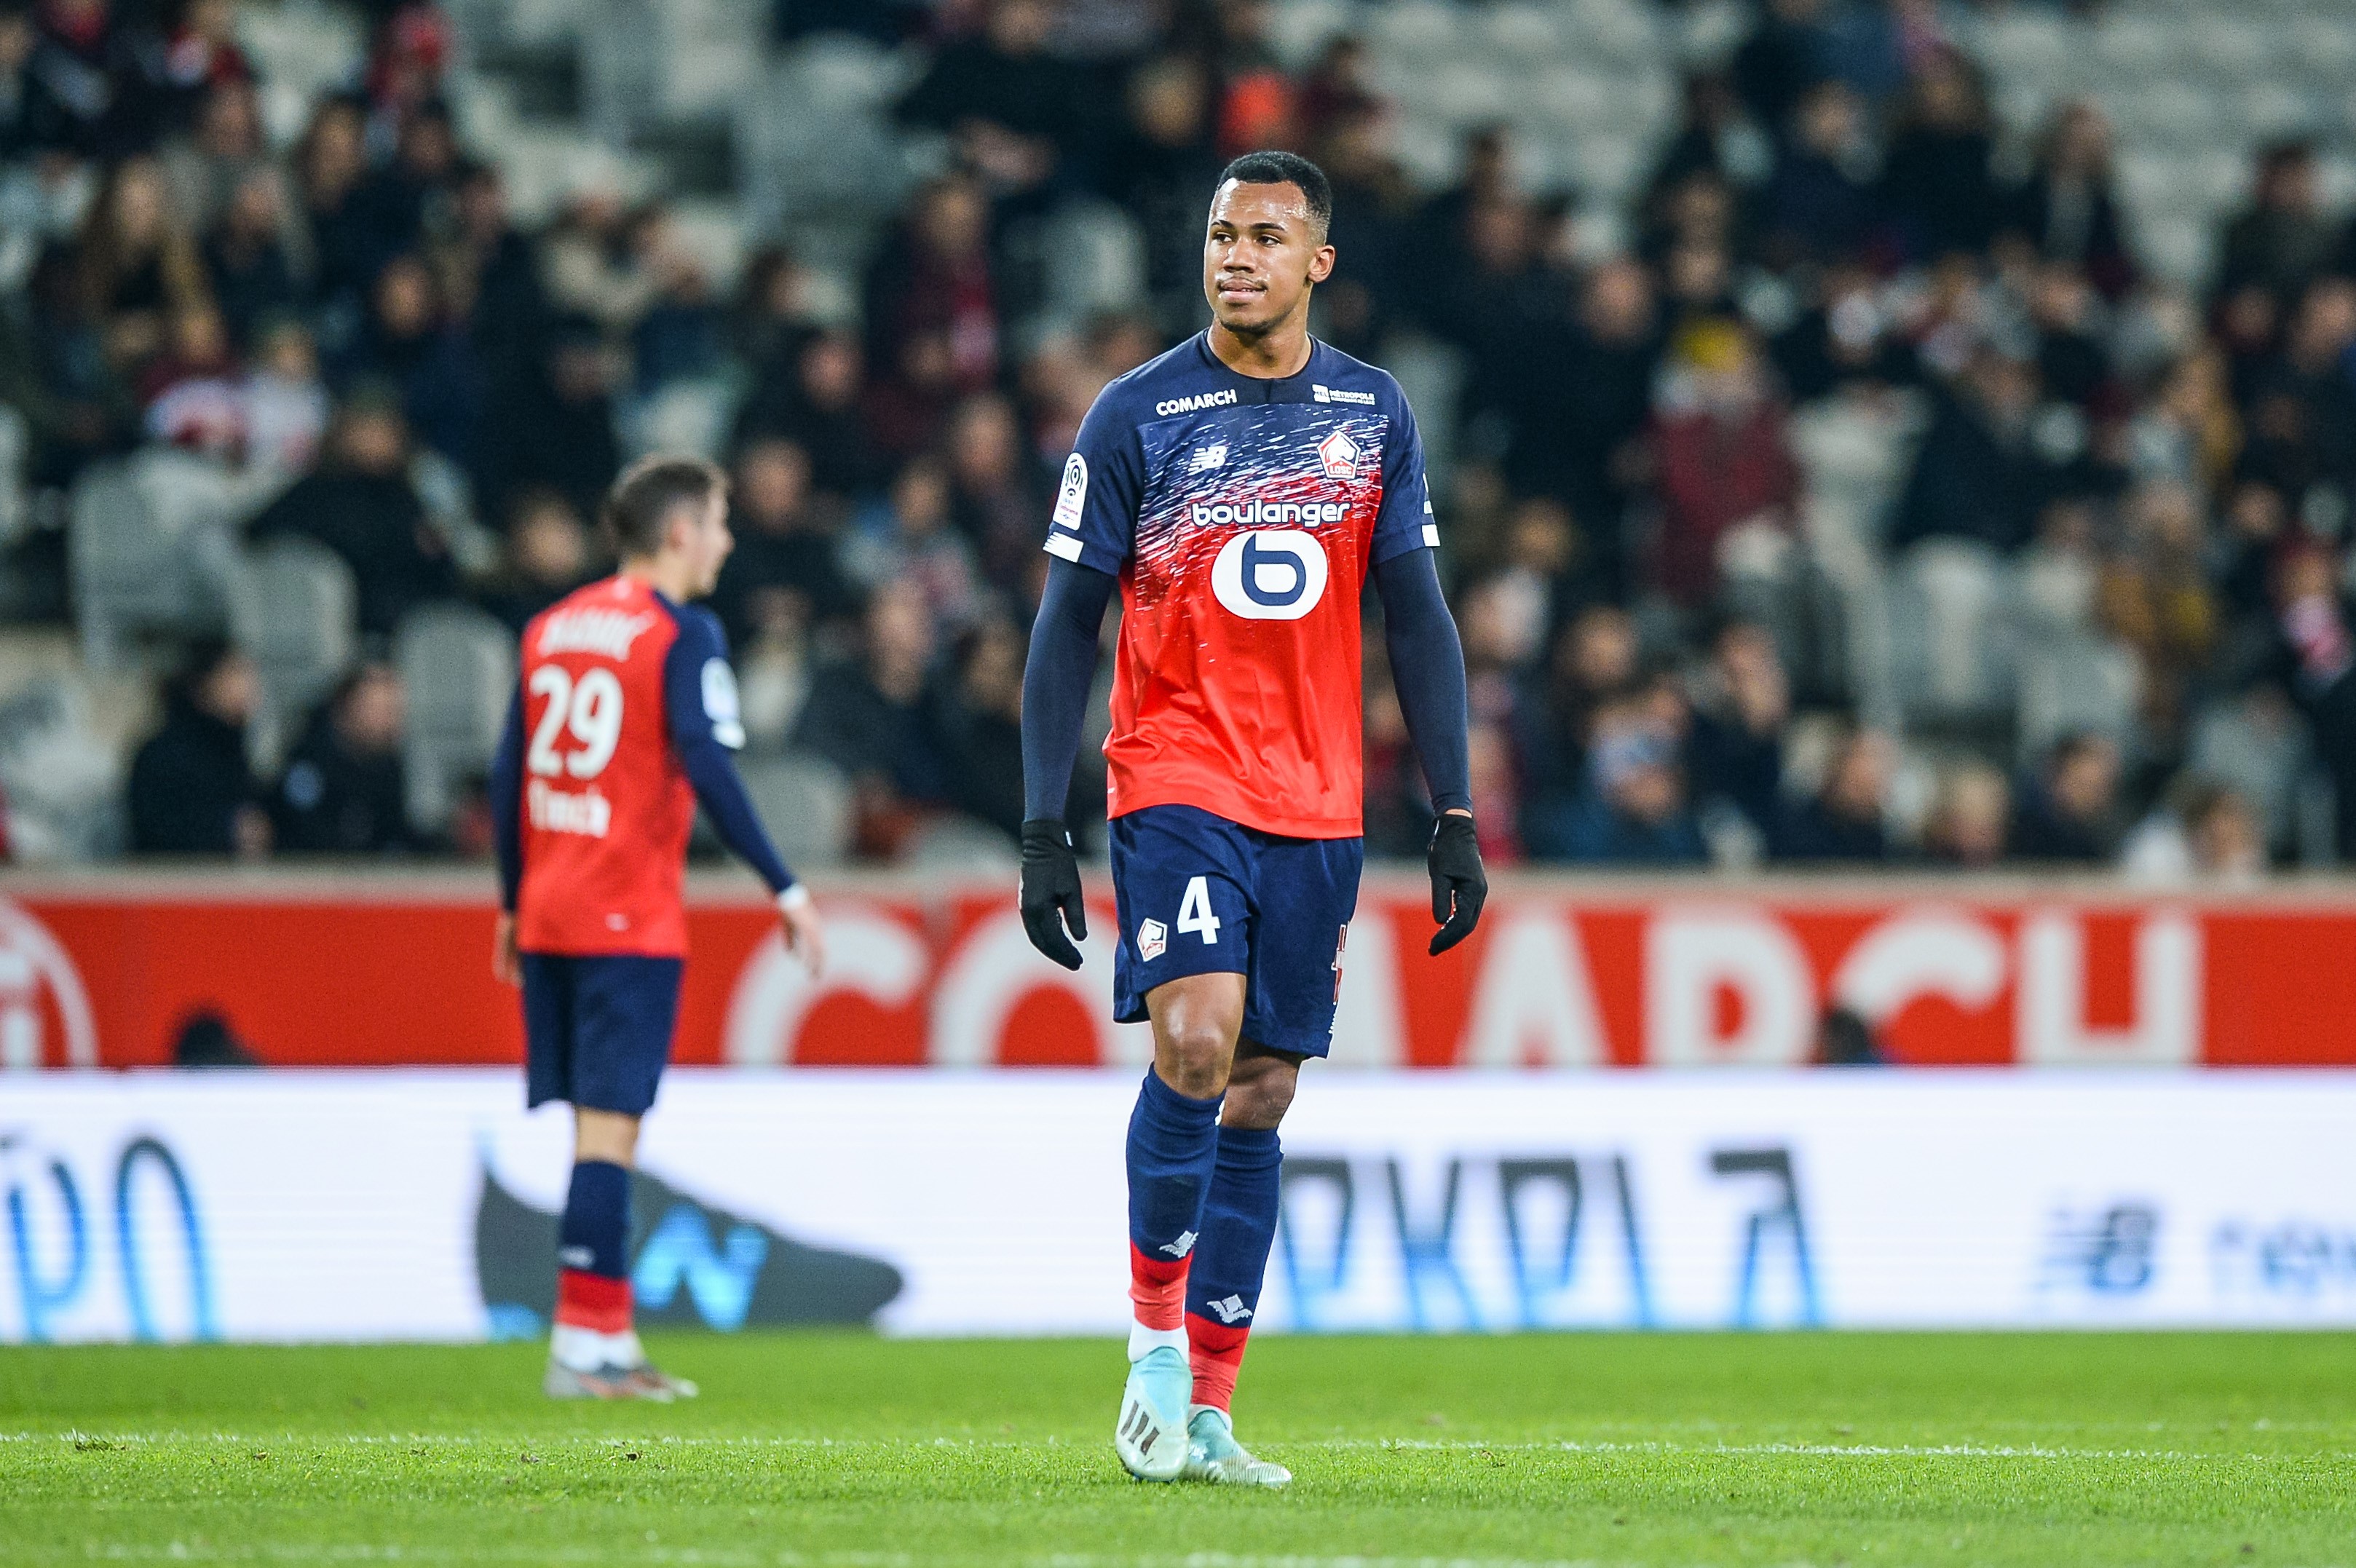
(622, 723)
(1239, 489)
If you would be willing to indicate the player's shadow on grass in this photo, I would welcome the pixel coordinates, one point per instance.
(692, 1266)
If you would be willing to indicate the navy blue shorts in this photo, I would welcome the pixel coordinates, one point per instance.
(1199, 894)
(597, 1029)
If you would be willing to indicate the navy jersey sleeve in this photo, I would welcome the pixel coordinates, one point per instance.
(507, 803)
(1094, 521)
(706, 729)
(1406, 522)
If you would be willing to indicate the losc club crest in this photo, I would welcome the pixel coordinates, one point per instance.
(1340, 455)
(45, 1017)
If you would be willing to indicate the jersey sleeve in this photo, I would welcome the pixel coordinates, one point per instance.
(699, 695)
(1095, 520)
(1406, 521)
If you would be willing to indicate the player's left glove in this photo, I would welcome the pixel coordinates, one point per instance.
(1051, 891)
(1458, 886)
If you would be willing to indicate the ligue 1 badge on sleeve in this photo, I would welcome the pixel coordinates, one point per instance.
(1073, 494)
(1153, 940)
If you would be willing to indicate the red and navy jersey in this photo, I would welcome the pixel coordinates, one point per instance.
(1242, 517)
(622, 693)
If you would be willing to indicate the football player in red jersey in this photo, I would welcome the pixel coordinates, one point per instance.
(623, 722)
(1239, 491)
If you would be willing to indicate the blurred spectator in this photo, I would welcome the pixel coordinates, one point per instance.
(494, 271)
(1736, 752)
(286, 404)
(683, 335)
(391, 203)
(412, 344)
(1846, 338)
(1784, 57)
(555, 430)
(358, 503)
(192, 390)
(2204, 830)
(192, 791)
(224, 150)
(2283, 239)
(1938, 185)
(1593, 664)
(202, 54)
(1969, 819)
(991, 496)
(1723, 462)
(246, 258)
(909, 538)
(547, 556)
(1976, 475)
(812, 397)
(981, 727)
(1163, 171)
(2067, 809)
(869, 716)
(2068, 210)
(786, 543)
(1015, 109)
(932, 310)
(1843, 821)
(1634, 811)
(1821, 203)
(139, 267)
(2156, 599)
(100, 67)
(343, 792)
(329, 164)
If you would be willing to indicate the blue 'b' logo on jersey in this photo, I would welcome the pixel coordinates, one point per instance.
(1271, 574)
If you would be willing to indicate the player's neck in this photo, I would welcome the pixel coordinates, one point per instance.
(1282, 350)
(667, 578)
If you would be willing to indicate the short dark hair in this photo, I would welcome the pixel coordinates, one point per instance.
(638, 507)
(1285, 168)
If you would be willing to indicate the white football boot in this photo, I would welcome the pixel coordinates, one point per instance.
(1212, 1454)
(1152, 1438)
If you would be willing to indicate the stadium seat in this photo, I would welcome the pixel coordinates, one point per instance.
(293, 608)
(2262, 749)
(1950, 643)
(685, 416)
(458, 666)
(960, 845)
(16, 441)
(2073, 686)
(149, 549)
(806, 804)
(1299, 31)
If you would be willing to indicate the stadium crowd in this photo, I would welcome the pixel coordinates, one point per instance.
(1839, 217)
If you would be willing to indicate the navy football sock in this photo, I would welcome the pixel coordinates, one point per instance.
(1173, 1141)
(1222, 1287)
(592, 1283)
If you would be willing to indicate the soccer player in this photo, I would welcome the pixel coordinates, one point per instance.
(623, 721)
(1239, 489)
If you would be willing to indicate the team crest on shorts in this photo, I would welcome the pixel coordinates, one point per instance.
(1153, 940)
(1340, 455)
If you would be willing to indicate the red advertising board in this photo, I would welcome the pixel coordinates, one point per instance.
(364, 970)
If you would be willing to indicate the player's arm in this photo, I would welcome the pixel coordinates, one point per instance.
(506, 839)
(706, 730)
(1056, 679)
(1091, 534)
(1427, 670)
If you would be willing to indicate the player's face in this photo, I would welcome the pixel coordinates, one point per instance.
(704, 540)
(1260, 255)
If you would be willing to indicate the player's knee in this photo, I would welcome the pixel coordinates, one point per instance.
(1261, 1100)
(1194, 1059)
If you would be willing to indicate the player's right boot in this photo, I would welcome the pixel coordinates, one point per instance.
(641, 1381)
(1152, 1437)
(1212, 1454)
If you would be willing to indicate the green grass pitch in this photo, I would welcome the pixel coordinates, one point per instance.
(2054, 1450)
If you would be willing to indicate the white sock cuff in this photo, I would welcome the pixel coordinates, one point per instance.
(1143, 1341)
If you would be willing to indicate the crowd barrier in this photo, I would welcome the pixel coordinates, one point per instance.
(414, 1204)
(354, 970)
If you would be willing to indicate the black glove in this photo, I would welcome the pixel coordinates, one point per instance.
(1051, 886)
(1458, 886)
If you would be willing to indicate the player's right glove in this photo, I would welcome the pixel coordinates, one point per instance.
(1459, 885)
(1051, 891)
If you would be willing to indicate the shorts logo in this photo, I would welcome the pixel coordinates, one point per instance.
(1340, 946)
(1272, 574)
(1073, 494)
(1153, 940)
(1340, 455)
(1208, 458)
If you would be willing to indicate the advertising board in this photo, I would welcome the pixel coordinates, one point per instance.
(345, 972)
(422, 1204)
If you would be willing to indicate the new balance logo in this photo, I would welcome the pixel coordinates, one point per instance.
(1179, 1248)
(1232, 1310)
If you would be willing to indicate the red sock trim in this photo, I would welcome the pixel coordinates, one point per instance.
(1216, 1351)
(593, 1301)
(1157, 1289)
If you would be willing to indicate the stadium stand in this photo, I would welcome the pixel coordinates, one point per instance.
(1994, 361)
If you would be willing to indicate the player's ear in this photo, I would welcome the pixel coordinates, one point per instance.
(1321, 265)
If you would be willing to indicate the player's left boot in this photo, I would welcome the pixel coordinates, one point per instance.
(641, 1381)
(1212, 1454)
(1152, 1437)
